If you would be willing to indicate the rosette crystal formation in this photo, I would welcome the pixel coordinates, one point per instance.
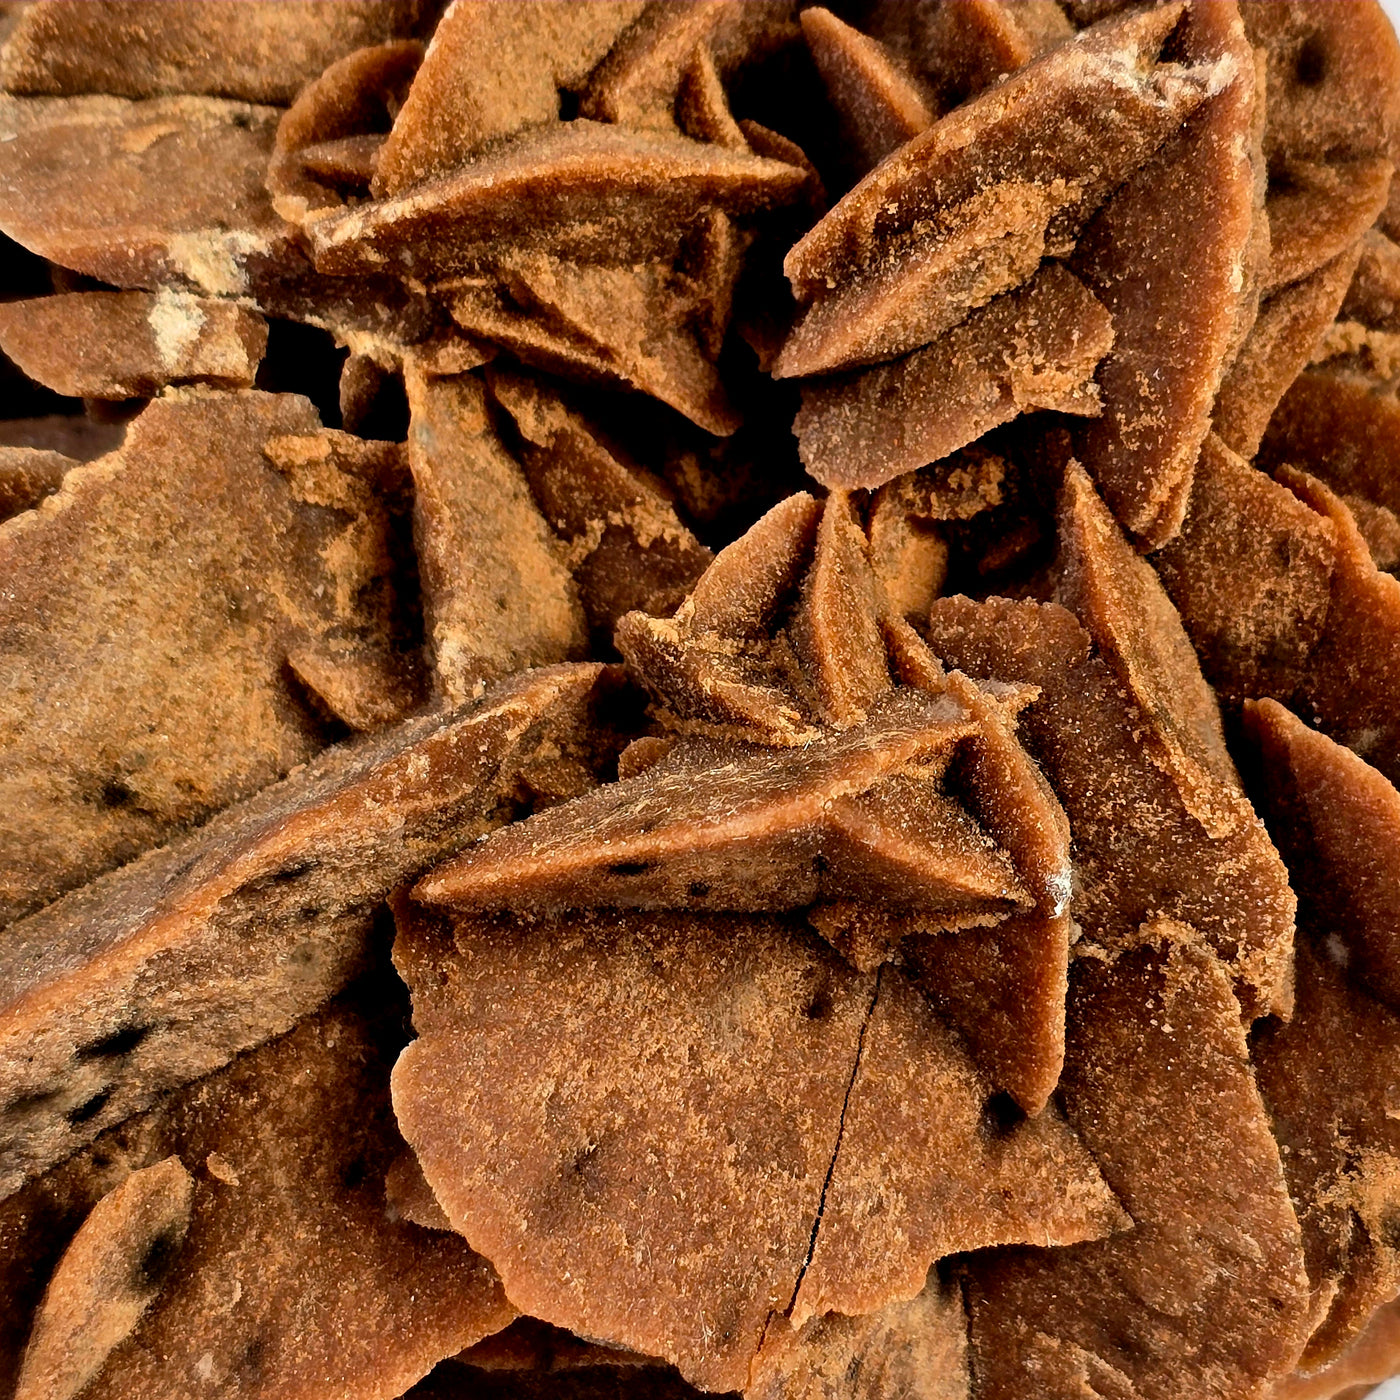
(699, 697)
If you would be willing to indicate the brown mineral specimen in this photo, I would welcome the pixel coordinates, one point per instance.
(637, 84)
(573, 189)
(880, 106)
(27, 475)
(493, 70)
(1251, 575)
(171, 195)
(831, 665)
(1380, 528)
(1014, 133)
(628, 548)
(1374, 297)
(702, 106)
(1121, 602)
(709, 1122)
(924, 1169)
(965, 210)
(967, 46)
(1167, 257)
(1333, 78)
(709, 671)
(1035, 348)
(257, 50)
(292, 1282)
(155, 602)
(634, 327)
(1318, 211)
(1139, 851)
(121, 345)
(881, 986)
(1209, 1283)
(908, 556)
(408, 1195)
(164, 969)
(859, 816)
(329, 142)
(1338, 428)
(834, 629)
(744, 1040)
(1374, 1356)
(1357, 351)
(915, 1350)
(909, 552)
(109, 1275)
(1328, 1080)
(1291, 324)
(1015, 1024)
(497, 592)
(1351, 678)
(1338, 823)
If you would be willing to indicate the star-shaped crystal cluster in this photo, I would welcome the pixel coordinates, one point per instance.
(699, 696)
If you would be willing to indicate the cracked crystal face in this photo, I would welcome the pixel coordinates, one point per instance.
(699, 697)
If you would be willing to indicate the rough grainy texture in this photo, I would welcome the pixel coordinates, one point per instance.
(627, 547)
(1251, 574)
(1319, 211)
(121, 345)
(637, 85)
(1373, 1356)
(291, 1280)
(639, 326)
(108, 1276)
(1166, 256)
(1333, 78)
(576, 189)
(1337, 821)
(497, 593)
(1158, 1082)
(330, 140)
(492, 70)
(146, 683)
(257, 50)
(173, 194)
(920, 1174)
(162, 970)
(1152, 832)
(1338, 1136)
(1337, 427)
(892, 931)
(880, 106)
(962, 49)
(1291, 324)
(861, 815)
(1035, 348)
(763, 1040)
(27, 475)
(1351, 682)
(1034, 129)
(726, 1087)
(1016, 1025)
(915, 1350)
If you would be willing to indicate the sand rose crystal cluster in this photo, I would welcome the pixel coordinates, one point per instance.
(699, 697)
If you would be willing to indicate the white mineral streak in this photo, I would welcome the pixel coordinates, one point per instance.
(176, 320)
(212, 258)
